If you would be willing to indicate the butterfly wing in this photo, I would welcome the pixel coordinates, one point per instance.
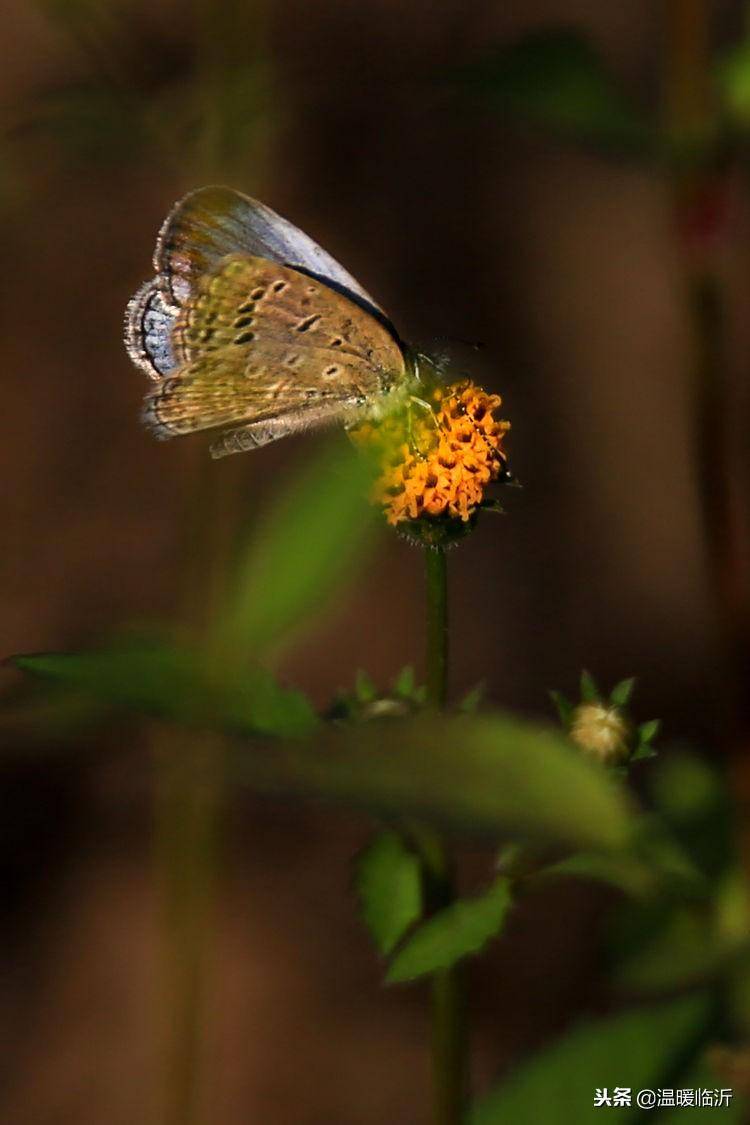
(201, 230)
(212, 222)
(149, 322)
(261, 340)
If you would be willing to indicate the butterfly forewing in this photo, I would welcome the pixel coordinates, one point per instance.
(212, 222)
(260, 340)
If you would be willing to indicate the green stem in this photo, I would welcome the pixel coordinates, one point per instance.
(449, 1031)
(437, 627)
(449, 1039)
(187, 831)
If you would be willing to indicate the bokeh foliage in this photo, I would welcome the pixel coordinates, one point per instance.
(683, 915)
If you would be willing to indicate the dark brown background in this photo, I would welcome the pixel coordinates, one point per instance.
(565, 265)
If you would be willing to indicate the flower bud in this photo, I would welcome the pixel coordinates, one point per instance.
(601, 732)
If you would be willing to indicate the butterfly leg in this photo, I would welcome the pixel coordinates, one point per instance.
(421, 404)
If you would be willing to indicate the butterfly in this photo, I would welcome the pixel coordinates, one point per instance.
(252, 329)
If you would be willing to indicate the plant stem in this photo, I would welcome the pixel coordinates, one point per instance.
(187, 830)
(700, 185)
(437, 627)
(449, 1031)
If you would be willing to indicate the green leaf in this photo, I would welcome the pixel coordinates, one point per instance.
(405, 684)
(487, 774)
(621, 693)
(389, 888)
(564, 707)
(733, 80)
(618, 870)
(456, 932)
(304, 551)
(636, 1049)
(179, 685)
(473, 698)
(647, 732)
(683, 953)
(555, 78)
(655, 864)
(484, 774)
(589, 690)
(364, 688)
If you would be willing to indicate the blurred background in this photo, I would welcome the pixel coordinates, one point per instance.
(483, 190)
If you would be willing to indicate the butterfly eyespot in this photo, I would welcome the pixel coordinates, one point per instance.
(291, 360)
(308, 322)
(246, 307)
(243, 321)
(337, 342)
(258, 293)
(280, 286)
(312, 289)
(244, 338)
(331, 371)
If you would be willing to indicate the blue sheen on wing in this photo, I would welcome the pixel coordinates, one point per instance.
(149, 321)
(212, 222)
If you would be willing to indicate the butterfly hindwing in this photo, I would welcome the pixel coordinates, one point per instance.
(149, 322)
(261, 340)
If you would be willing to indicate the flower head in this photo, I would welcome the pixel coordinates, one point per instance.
(601, 726)
(601, 732)
(436, 458)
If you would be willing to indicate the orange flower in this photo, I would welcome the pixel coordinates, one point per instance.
(436, 463)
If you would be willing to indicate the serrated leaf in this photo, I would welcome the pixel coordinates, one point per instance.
(404, 684)
(621, 693)
(589, 690)
(564, 707)
(178, 684)
(637, 1049)
(456, 932)
(389, 887)
(303, 552)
